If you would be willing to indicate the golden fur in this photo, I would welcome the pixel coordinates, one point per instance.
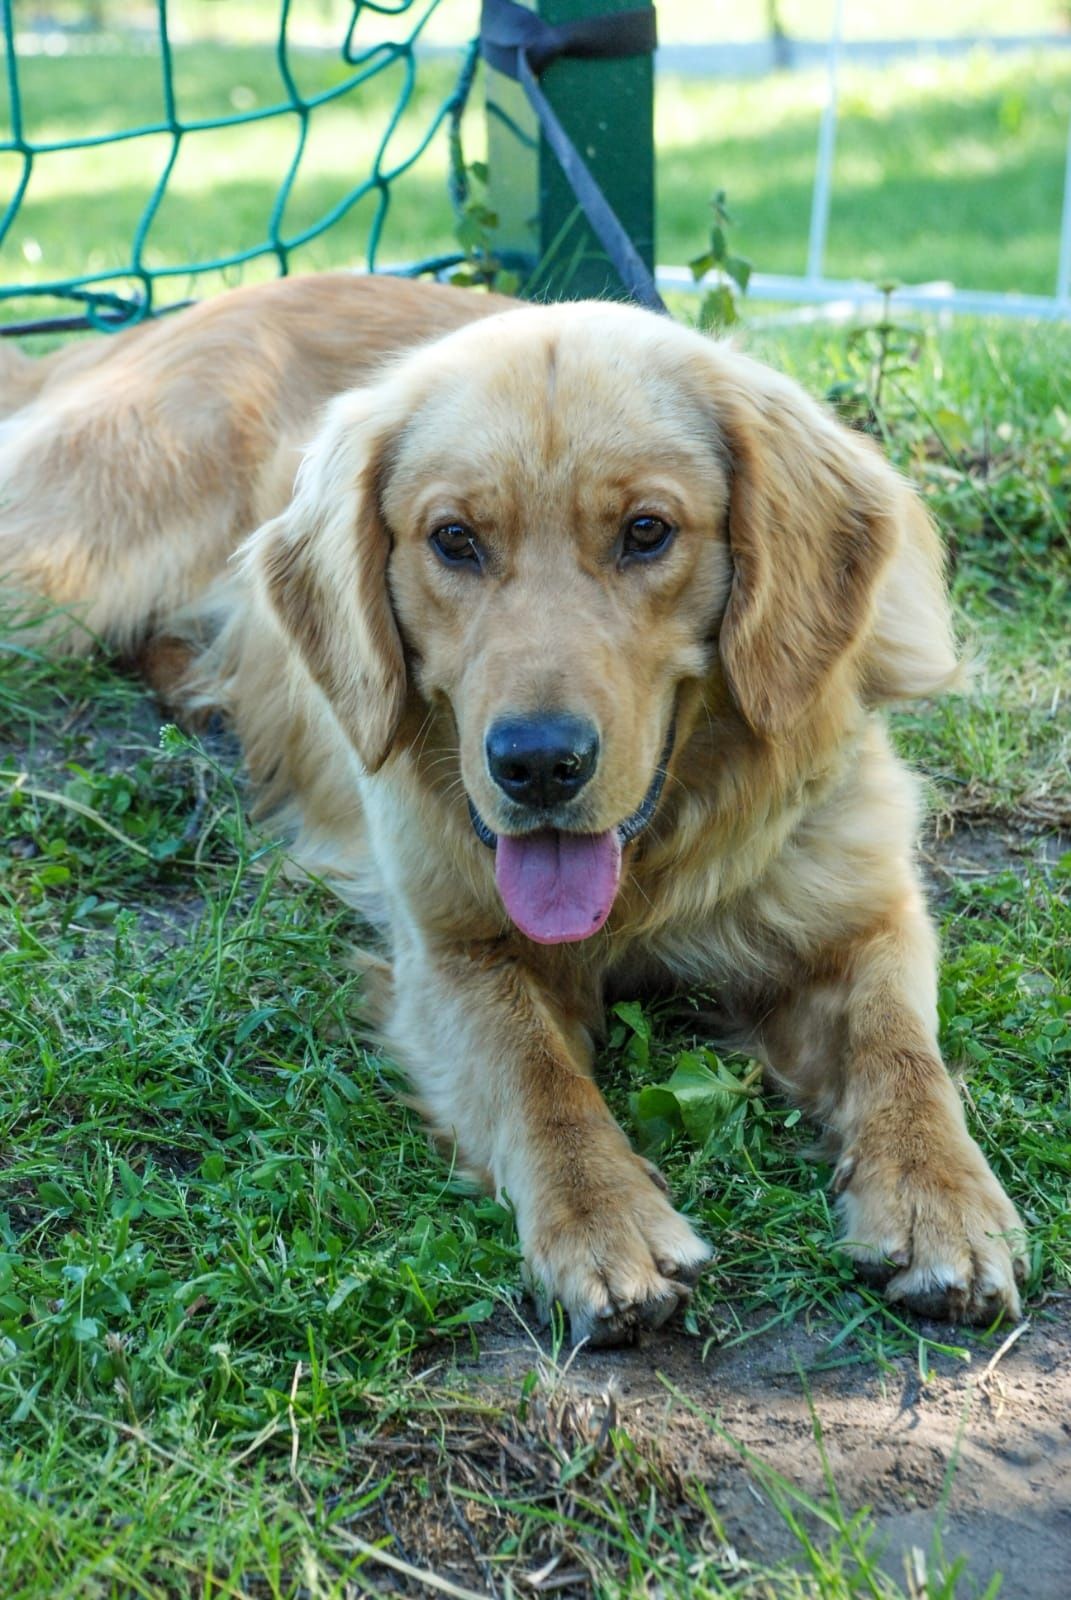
(802, 590)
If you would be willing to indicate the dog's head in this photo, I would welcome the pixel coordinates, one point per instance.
(555, 519)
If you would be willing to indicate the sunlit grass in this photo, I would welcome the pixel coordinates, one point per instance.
(945, 170)
(950, 171)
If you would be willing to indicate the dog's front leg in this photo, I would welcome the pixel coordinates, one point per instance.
(500, 1071)
(922, 1211)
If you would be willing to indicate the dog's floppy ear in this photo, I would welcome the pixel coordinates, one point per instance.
(819, 527)
(322, 566)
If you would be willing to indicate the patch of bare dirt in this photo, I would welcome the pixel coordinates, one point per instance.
(959, 852)
(979, 1453)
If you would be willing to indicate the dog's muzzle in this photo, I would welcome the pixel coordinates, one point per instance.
(559, 886)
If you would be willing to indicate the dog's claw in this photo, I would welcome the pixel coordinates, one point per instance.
(622, 1262)
(686, 1274)
(623, 1325)
(654, 1173)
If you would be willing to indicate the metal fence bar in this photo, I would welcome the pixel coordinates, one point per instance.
(606, 109)
(1063, 271)
(822, 195)
(845, 296)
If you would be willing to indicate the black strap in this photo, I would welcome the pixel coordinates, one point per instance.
(521, 46)
(107, 313)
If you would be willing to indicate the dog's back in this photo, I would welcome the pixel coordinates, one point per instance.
(205, 414)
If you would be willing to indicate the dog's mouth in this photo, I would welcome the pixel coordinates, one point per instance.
(558, 886)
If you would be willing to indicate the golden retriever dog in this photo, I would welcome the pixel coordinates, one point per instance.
(563, 649)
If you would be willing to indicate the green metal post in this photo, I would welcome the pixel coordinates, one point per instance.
(607, 109)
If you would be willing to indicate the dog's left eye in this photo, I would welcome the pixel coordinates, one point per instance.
(456, 545)
(645, 537)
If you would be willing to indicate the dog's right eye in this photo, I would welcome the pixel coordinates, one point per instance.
(456, 545)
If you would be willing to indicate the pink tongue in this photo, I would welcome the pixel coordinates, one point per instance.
(558, 887)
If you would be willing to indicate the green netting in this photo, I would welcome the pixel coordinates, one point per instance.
(118, 295)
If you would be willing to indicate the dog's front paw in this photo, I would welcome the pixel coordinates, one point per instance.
(608, 1245)
(939, 1235)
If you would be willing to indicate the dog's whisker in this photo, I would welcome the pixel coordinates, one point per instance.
(423, 733)
(455, 788)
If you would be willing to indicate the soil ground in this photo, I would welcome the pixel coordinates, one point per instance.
(889, 1438)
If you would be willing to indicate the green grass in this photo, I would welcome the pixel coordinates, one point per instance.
(227, 1254)
(679, 21)
(949, 170)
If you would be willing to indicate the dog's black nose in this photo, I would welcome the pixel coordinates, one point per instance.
(541, 761)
